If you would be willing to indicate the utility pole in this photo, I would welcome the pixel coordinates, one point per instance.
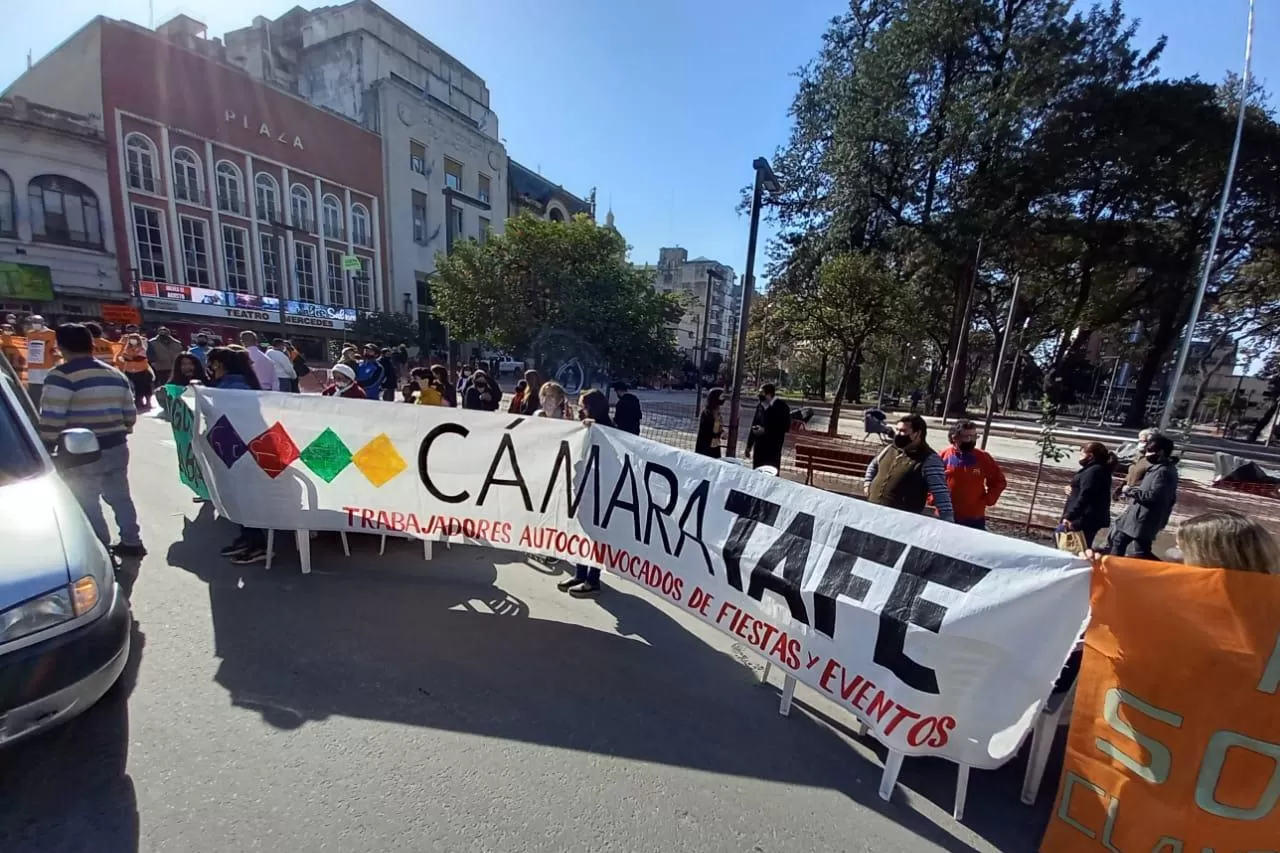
(963, 337)
(995, 380)
(1172, 394)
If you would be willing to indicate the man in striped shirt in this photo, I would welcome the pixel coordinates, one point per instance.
(86, 393)
(908, 473)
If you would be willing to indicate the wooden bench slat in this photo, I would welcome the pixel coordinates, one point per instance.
(830, 460)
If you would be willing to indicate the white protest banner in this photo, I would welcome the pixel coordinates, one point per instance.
(944, 640)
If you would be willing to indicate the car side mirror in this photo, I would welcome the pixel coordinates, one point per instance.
(77, 447)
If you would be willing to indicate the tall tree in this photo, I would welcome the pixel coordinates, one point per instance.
(569, 278)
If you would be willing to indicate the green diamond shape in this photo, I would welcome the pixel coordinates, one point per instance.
(327, 455)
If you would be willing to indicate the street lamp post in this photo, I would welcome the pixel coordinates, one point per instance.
(706, 330)
(765, 180)
(1183, 351)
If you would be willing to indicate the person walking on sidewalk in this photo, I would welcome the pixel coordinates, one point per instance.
(907, 473)
(161, 351)
(974, 477)
(85, 393)
(769, 427)
(263, 368)
(286, 375)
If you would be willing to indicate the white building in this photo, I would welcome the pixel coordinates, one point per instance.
(445, 166)
(57, 244)
(675, 273)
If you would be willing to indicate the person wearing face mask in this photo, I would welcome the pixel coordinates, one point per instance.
(907, 473)
(369, 372)
(974, 477)
(1151, 502)
(344, 383)
(1140, 465)
(1088, 506)
(481, 393)
(769, 429)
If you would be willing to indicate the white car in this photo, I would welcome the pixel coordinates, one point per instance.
(507, 364)
(64, 621)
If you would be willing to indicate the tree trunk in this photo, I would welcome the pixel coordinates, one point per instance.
(853, 385)
(1263, 422)
(1166, 335)
(837, 403)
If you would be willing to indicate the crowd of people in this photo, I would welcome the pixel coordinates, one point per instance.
(958, 484)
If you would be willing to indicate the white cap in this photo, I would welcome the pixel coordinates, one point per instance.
(344, 370)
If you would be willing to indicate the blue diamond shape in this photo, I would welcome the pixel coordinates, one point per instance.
(225, 442)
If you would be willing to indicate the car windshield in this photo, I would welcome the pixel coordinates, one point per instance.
(19, 457)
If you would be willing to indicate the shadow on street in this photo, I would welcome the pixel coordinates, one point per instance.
(441, 645)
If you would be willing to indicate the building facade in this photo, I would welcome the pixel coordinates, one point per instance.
(675, 273)
(57, 238)
(529, 192)
(445, 168)
(236, 205)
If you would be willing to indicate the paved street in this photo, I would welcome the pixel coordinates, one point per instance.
(384, 704)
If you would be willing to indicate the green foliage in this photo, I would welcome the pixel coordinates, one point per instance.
(570, 277)
(389, 328)
(1047, 439)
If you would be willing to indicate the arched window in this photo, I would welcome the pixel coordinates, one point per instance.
(300, 208)
(140, 157)
(332, 217)
(8, 213)
(230, 188)
(186, 176)
(64, 211)
(556, 215)
(267, 197)
(360, 225)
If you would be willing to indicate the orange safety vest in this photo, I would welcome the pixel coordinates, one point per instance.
(15, 349)
(42, 354)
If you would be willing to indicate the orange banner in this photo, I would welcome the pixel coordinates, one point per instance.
(1175, 737)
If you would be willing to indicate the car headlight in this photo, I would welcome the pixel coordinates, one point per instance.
(50, 609)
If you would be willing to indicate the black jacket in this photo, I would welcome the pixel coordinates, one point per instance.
(1152, 501)
(1088, 506)
(766, 448)
(627, 414)
(488, 401)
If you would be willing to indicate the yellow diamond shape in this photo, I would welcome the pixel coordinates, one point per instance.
(379, 461)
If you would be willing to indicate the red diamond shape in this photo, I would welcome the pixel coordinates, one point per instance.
(273, 450)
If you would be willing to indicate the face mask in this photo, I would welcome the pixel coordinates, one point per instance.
(966, 446)
(761, 397)
(901, 439)
(201, 342)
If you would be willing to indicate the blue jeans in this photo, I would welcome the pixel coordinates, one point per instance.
(590, 574)
(106, 479)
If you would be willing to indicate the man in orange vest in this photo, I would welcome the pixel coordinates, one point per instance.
(42, 356)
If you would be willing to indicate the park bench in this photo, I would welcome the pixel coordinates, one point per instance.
(812, 458)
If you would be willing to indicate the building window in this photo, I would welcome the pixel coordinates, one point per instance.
(304, 269)
(195, 250)
(230, 188)
(485, 225)
(140, 158)
(300, 208)
(332, 217)
(266, 194)
(186, 176)
(417, 157)
(64, 211)
(453, 174)
(455, 220)
(333, 271)
(8, 213)
(148, 234)
(360, 285)
(483, 195)
(236, 257)
(360, 225)
(419, 218)
(270, 257)
(556, 215)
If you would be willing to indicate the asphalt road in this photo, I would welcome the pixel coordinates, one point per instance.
(386, 704)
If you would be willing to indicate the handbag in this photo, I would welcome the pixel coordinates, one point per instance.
(1071, 541)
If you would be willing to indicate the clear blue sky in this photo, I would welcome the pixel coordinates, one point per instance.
(661, 105)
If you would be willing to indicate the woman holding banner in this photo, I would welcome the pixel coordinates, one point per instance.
(232, 369)
(593, 410)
